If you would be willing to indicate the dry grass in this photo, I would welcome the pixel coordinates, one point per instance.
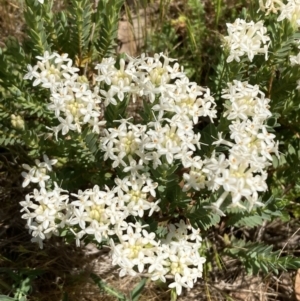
(11, 20)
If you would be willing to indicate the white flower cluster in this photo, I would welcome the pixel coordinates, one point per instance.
(243, 173)
(74, 104)
(180, 104)
(291, 12)
(102, 214)
(72, 101)
(137, 149)
(46, 214)
(93, 212)
(38, 173)
(151, 79)
(177, 256)
(246, 38)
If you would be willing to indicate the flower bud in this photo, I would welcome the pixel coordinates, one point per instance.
(17, 122)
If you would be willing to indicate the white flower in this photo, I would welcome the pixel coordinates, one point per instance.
(291, 11)
(66, 124)
(31, 72)
(37, 174)
(134, 250)
(47, 163)
(246, 38)
(178, 283)
(99, 231)
(80, 217)
(295, 60)
(28, 177)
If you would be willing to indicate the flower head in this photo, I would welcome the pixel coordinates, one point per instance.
(246, 38)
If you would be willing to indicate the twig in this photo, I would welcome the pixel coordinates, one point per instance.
(261, 231)
(288, 242)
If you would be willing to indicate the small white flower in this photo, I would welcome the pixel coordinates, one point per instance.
(47, 163)
(28, 177)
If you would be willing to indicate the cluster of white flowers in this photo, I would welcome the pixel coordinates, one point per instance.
(72, 101)
(177, 104)
(75, 104)
(137, 149)
(92, 212)
(149, 78)
(38, 173)
(176, 256)
(246, 38)
(171, 135)
(291, 12)
(47, 214)
(102, 214)
(243, 173)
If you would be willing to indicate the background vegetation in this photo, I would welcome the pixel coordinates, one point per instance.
(264, 244)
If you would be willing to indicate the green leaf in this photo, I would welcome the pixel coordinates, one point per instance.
(203, 218)
(78, 32)
(208, 135)
(115, 112)
(103, 286)
(247, 219)
(137, 291)
(108, 10)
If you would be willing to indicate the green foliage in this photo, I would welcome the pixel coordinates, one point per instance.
(136, 292)
(34, 16)
(84, 32)
(182, 36)
(257, 257)
(203, 218)
(78, 32)
(208, 135)
(250, 219)
(19, 283)
(113, 113)
(108, 14)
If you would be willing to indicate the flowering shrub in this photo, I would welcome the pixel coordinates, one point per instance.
(154, 181)
(138, 150)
